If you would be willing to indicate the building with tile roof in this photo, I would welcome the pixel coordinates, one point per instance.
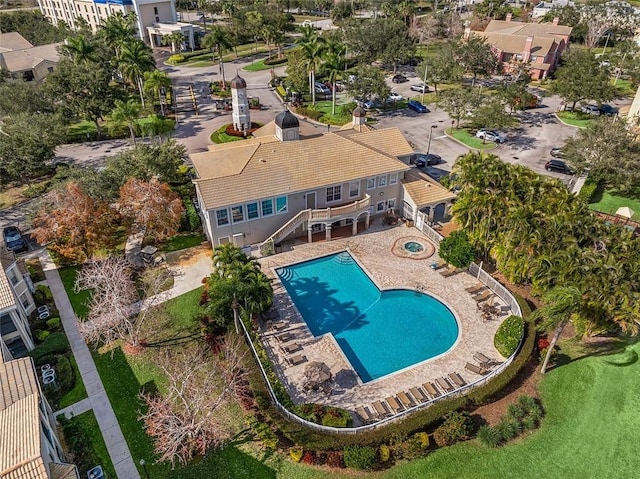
(538, 44)
(293, 178)
(16, 304)
(25, 62)
(29, 445)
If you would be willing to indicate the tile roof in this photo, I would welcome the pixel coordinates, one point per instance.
(424, 190)
(62, 471)
(510, 37)
(13, 41)
(21, 60)
(541, 46)
(527, 29)
(20, 442)
(278, 168)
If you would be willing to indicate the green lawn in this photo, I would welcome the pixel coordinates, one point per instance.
(178, 242)
(609, 203)
(78, 300)
(78, 392)
(220, 136)
(327, 117)
(624, 87)
(575, 118)
(87, 422)
(464, 136)
(431, 97)
(260, 65)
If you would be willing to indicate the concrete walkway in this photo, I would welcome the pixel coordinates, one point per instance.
(75, 409)
(116, 445)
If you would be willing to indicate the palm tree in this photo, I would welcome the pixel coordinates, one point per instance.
(156, 82)
(218, 40)
(313, 48)
(334, 66)
(118, 29)
(135, 59)
(80, 49)
(563, 304)
(127, 113)
(173, 39)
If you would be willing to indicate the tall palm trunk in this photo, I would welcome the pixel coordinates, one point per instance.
(333, 98)
(139, 82)
(221, 68)
(552, 345)
(312, 74)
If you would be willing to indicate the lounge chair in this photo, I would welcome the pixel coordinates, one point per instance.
(445, 384)
(431, 390)
(484, 296)
(418, 395)
(457, 379)
(393, 404)
(474, 368)
(297, 359)
(483, 360)
(379, 409)
(438, 265)
(476, 288)
(448, 272)
(291, 348)
(283, 338)
(364, 414)
(406, 401)
(280, 326)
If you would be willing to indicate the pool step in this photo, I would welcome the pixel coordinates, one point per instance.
(344, 258)
(286, 274)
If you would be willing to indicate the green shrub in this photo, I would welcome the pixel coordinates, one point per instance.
(309, 112)
(456, 249)
(262, 431)
(42, 294)
(295, 453)
(384, 453)
(191, 220)
(281, 91)
(196, 53)
(55, 343)
(422, 439)
(508, 335)
(37, 189)
(42, 335)
(508, 429)
(275, 61)
(489, 436)
(457, 426)
(347, 109)
(516, 411)
(79, 443)
(359, 457)
(176, 59)
(64, 373)
(335, 417)
(53, 323)
(588, 190)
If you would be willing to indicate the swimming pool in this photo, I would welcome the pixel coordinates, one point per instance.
(379, 332)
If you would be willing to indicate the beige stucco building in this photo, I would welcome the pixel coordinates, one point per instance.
(25, 62)
(294, 178)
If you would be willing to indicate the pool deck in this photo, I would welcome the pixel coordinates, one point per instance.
(373, 251)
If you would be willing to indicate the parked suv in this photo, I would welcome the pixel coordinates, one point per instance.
(558, 166)
(399, 78)
(14, 240)
(490, 135)
(416, 106)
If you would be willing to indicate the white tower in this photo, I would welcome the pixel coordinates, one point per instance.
(240, 104)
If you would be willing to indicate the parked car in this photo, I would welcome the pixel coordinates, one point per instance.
(420, 88)
(558, 166)
(369, 104)
(590, 110)
(557, 152)
(322, 89)
(608, 110)
(399, 78)
(427, 159)
(416, 106)
(393, 96)
(14, 240)
(490, 135)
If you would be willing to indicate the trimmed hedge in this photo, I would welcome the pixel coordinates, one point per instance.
(359, 457)
(55, 343)
(508, 335)
(276, 61)
(176, 59)
(588, 190)
(309, 112)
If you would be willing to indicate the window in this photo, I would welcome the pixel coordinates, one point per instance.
(252, 211)
(334, 193)
(157, 19)
(266, 207)
(223, 240)
(281, 204)
(391, 204)
(354, 189)
(155, 10)
(382, 181)
(13, 277)
(222, 217)
(50, 69)
(7, 325)
(237, 214)
(393, 178)
(24, 299)
(380, 206)
(371, 183)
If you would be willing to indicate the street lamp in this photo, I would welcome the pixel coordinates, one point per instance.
(430, 133)
(144, 467)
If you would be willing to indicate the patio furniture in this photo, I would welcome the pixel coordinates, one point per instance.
(406, 401)
(483, 360)
(43, 309)
(489, 308)
(379, 409)
(418, 395)
(297, 359)
(280, 326)
(445, 384)
(476, 288)
(291, 348)
(431, 389)
(474, 368)
(479, 298)
(44, 367)
(44, 315)
(283, 338)
(457, 379)
(448, 272)
(363, 414)
(438, 265)
(394, 404)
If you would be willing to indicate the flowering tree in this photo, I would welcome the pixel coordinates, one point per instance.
(151, 206)
(193, 415)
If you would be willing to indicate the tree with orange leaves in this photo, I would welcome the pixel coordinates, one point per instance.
(73, 224)
(151, 206)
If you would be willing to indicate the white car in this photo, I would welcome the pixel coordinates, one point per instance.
(490, 135)
(420, 88)
(590, 110)
(393, 96)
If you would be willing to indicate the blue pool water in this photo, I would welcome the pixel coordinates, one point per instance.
(379, 332)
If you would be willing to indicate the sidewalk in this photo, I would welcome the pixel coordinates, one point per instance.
(98, 401)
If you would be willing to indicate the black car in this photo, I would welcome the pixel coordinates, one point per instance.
(399, 78)
(558, 166)
(427, 159)
(608, 110)
(14, 240)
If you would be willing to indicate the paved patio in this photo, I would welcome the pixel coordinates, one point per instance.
(373, 251)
